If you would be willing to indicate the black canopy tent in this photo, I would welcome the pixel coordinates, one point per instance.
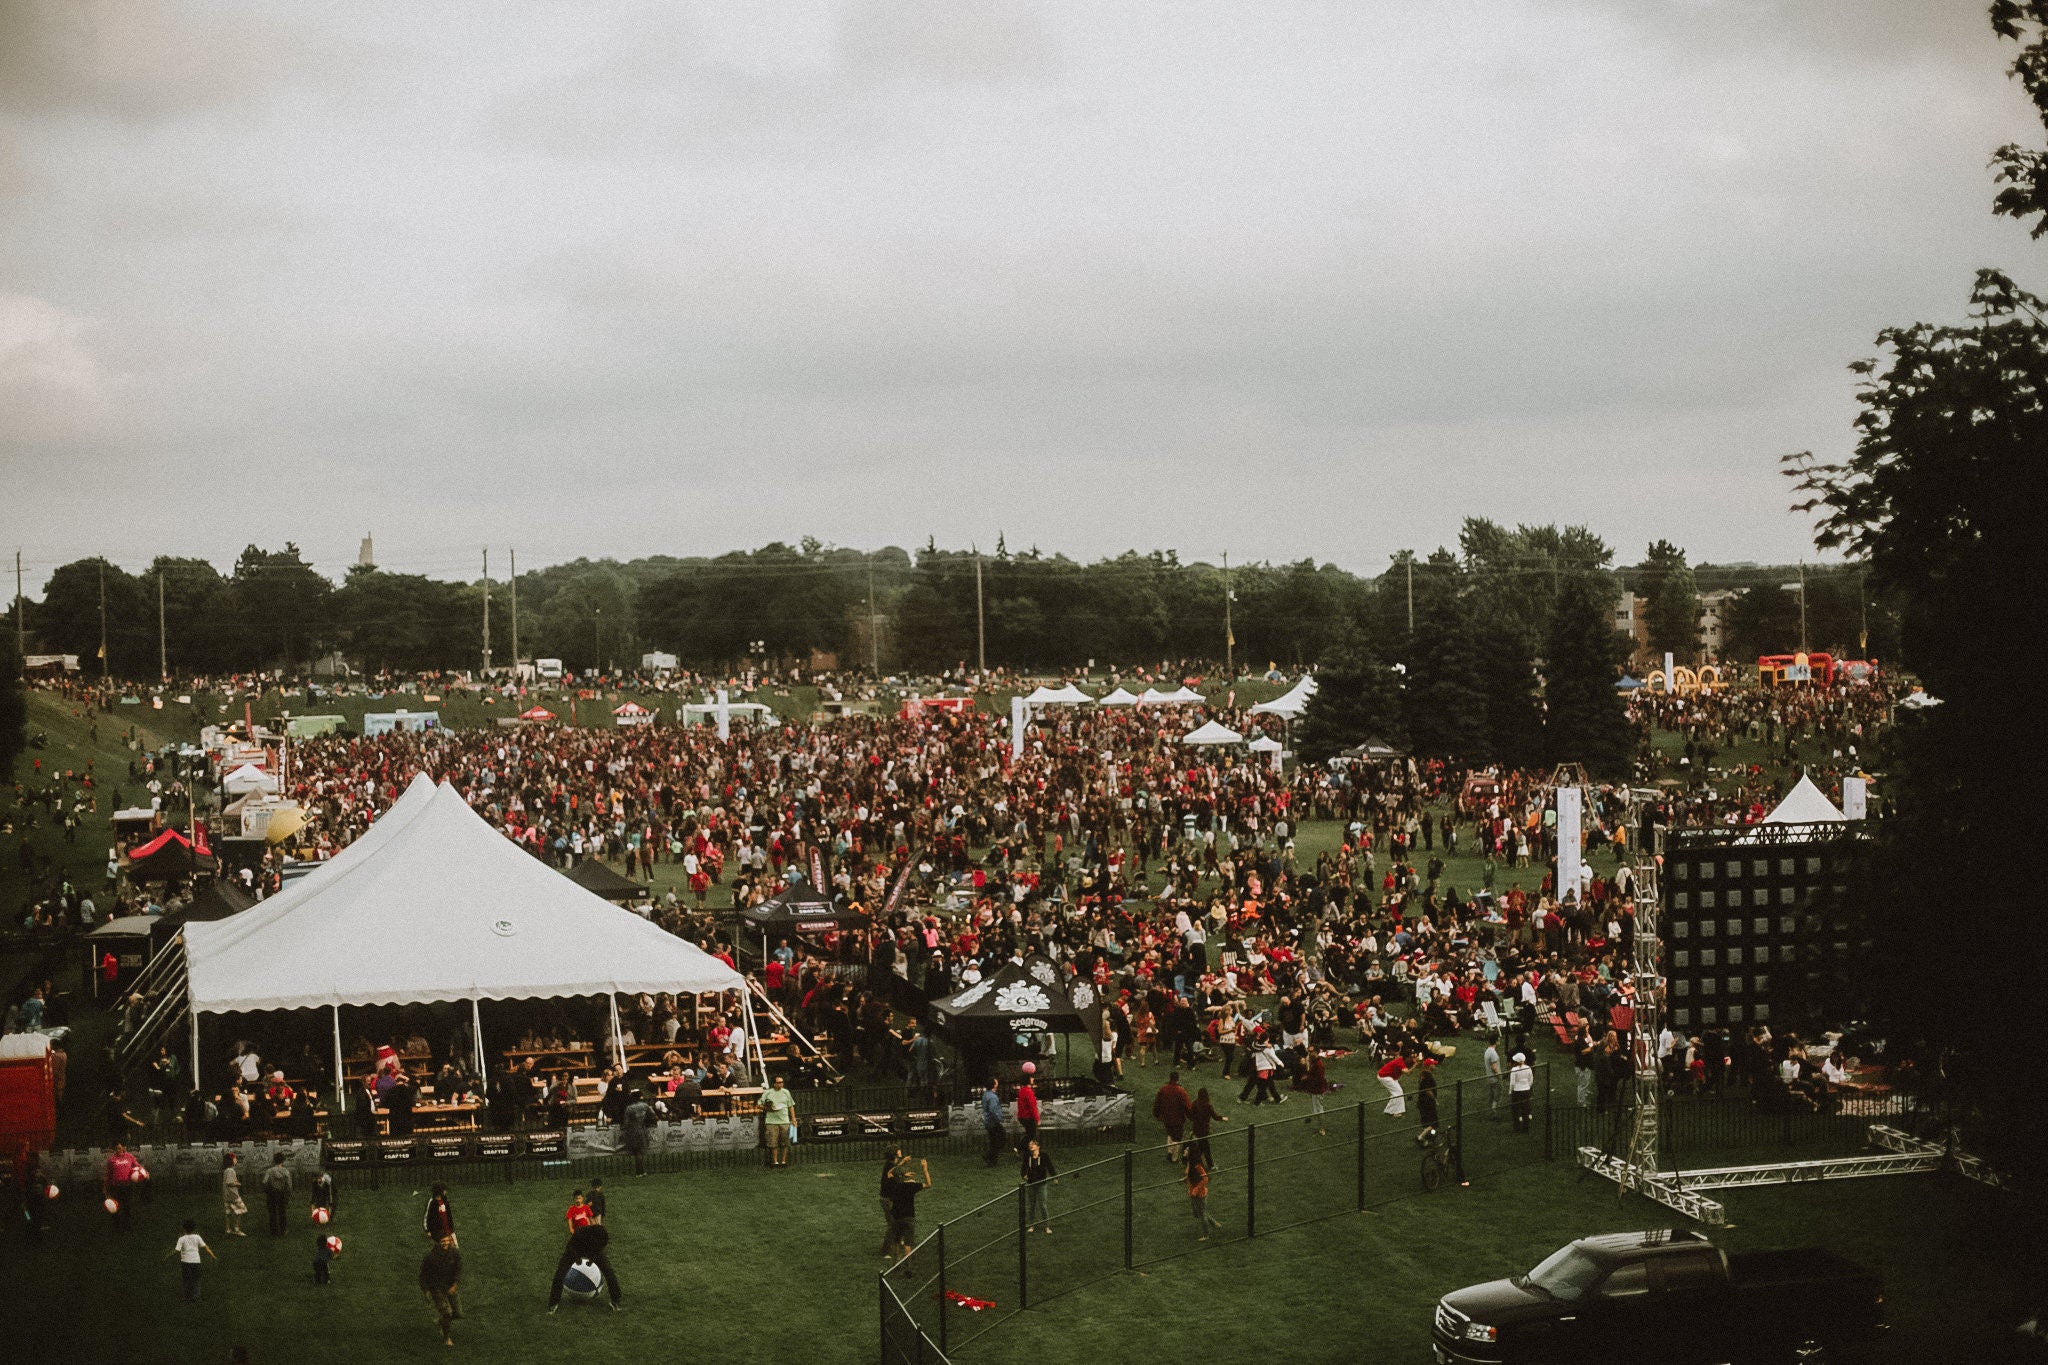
(598, 878)
(798, 909)
(1016, 1002)
(169, 857)
(215, 902)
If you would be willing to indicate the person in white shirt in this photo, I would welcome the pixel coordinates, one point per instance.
(1521, 1085)
(187, 1249)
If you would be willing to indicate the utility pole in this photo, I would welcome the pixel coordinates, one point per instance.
(163, 653)
(1802, 606)
(874, 638)
(103, 620)
(487, 611)
(514, 580)
(1863, 606)
(1229, 634)
(1410, 561)
(20, 610)
(980, 626)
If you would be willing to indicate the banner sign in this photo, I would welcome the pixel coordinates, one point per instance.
(494, 1145)
(553, 1143)
(348, 1153)
(447, 1147)
(393, 1150)
(1855, 797)
(1016, 728)
(828, 1127)
(818, 869)
(898, 885)
(1568, 811)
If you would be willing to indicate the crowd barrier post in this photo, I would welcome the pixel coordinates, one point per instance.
(1549, 1105)
(1251, 1181)
(945, 1316)
(1359, 1162)
(1457, 1128)
(1023, 1251)
(1130, 1208)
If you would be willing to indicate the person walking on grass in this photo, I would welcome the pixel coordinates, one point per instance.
(231, 1203)
(992, 1122)
(277, 1194)
(1521, 1085)
(587, 1243)
(1201, 1115)
(440, 1280)
(1316, 1081)
(1036, 1172)
(187, 1249)
(778, 1107)
(1197, 1176)
(634, 1122)
(1170, 1106)
(1493, 1079)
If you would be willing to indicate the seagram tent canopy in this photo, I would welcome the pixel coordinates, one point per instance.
(432, 904)
(1805, 804)
(1068, 695)
(1212, 732)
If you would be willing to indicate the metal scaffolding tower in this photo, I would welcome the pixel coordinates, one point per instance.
(1649, 1019)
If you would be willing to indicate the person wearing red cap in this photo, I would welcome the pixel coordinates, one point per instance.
(1390, 1077)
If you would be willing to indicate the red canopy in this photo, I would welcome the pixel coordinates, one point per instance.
(537, 713)
(157, 845)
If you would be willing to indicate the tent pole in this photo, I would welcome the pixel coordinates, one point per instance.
(340, 1074)
(760, 1067)
(195, 1048)
(618, 1038)
(476, 1031)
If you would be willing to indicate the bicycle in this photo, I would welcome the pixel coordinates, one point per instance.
(1439, 1162)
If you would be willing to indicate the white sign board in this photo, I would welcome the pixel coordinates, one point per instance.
(1016, 728)
(1855, 797)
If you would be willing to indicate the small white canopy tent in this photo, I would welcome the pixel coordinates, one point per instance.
(248, 778)
(1153, 695)
(1213, 732)
(1805, 804)
(699, 712)
(1068, 695)
(1265, 744)
(1117, 698)
(431, 905)
(1290, 704)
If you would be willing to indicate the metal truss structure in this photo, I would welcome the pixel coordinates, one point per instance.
(1901, 1154)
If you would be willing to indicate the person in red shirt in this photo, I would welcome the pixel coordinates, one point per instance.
(119, 1183)
(1390, 1077)
(1027, 1105)
(578, 1214)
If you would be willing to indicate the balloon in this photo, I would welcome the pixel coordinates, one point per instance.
(111, 1204)
(51, 1192)
(1031, 1068)
(334, 1246)
(321, 1215)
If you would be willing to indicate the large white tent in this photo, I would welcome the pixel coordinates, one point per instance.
(1212, 732)
(1290, 704)
(248, 778)
(1153, 696)
(1117, 698)
(431, 904)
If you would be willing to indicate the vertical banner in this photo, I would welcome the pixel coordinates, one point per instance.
(818, 870)
(1016, 728)
(1567, 842)
(1855, 797)
(897, 885)
(724, 716)
(1670, 674)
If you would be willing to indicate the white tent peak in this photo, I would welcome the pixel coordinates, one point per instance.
(1117, 698)
(1805, 804)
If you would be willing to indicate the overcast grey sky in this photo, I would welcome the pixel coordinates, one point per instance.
(1278, 279)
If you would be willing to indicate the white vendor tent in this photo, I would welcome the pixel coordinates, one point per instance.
(1290, 704)
(248, 778)
(1068, 695)
(1264, 744)
(1213, 732)
(1117, 698)
(699, 712)
(1153, 695)
(431, 904)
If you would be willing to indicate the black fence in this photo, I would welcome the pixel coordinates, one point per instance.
(1741, 1125)
(1136, 1209)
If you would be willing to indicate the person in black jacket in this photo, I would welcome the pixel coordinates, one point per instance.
(586, 1243)
(440, 1277)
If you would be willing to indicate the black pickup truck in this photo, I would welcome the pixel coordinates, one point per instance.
(1665, 1296)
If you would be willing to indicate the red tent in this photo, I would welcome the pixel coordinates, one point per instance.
(537, 713)
(169, 836)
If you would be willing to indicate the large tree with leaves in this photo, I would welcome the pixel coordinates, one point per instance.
(1357, 698)
(1585, 721)
(1954, 422)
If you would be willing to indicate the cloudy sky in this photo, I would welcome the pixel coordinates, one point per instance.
(1277, 279)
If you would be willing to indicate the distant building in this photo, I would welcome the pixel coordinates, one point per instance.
(366, 557)
(1713, 613)
(1632, 618)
